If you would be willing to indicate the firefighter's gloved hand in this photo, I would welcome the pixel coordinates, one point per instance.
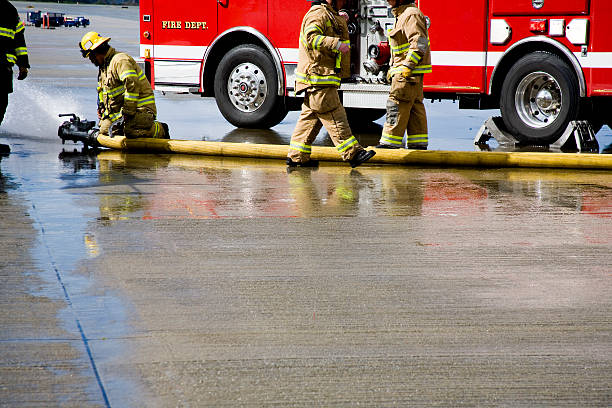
(344, 48)
(23, 73)
(406, 73)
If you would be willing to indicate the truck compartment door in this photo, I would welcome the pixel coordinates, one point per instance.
(180, 37)
(458, 42)
(251, 13)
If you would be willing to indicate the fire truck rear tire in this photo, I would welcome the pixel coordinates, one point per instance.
(539, 98)
(246, 88)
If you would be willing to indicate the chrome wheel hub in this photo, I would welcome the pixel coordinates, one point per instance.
(247, 87)
(538, 99)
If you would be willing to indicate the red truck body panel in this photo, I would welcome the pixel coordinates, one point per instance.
(174, 34)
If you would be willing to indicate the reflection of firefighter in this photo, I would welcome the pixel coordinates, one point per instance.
(12, 51)
(402, 192)
(199, 192)
(339, 197)
(410, 59)
(305, 194)
(324, 58)
(124, 92)
(117, 168)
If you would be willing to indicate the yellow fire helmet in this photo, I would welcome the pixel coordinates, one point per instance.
(91, 41)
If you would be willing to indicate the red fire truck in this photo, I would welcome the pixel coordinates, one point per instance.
(542, 62)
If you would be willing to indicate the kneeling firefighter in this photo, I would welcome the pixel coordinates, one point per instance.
(124, 92)
(410, 60)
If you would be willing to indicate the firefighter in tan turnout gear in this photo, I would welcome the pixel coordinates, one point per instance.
(323, 60)
(124, 92)
(410, 59)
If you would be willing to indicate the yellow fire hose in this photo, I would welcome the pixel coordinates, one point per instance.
(388, 156)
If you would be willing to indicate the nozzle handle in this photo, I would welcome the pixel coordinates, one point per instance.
(74, 116)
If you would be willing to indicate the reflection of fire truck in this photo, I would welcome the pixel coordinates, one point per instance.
(542, 62)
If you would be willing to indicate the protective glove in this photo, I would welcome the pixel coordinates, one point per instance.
(405, 72)
(23, 73)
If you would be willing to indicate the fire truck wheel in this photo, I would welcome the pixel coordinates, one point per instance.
(539, 98)
(246, 88)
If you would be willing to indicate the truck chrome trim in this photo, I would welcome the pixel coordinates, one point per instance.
(273, 51)
(570, 56)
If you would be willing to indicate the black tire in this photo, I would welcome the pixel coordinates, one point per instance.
(361, 116)
(539, 97)
(254, 101)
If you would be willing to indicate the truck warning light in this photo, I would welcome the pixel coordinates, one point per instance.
(188, 25)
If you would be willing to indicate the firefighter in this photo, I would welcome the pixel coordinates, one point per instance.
(323, 60)
(124, 92)
(410, 59)
(13, 51)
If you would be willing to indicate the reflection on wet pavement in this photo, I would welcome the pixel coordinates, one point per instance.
(145, 186)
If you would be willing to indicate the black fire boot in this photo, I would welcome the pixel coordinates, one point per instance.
(166, 130)
(362, 156)
(309, 163)
(416, 147)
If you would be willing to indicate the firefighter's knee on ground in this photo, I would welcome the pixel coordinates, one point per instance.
(142, 124)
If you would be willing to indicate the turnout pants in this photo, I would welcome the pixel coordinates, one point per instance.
(406, 113)
(3, 104)
(6, 87)
(322, 107)
(142, 124)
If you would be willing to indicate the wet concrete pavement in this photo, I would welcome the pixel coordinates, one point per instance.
(172, 280)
